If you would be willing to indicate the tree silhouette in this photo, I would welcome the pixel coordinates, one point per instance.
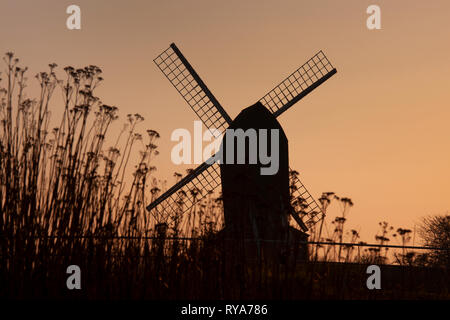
(435, 232)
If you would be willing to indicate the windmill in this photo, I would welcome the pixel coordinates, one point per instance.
(241, 187)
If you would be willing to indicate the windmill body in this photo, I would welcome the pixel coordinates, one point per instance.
(256, 206)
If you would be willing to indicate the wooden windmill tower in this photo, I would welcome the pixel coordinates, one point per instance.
(255, 206)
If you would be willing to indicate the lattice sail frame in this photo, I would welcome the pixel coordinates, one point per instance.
(193, 90)
(298, 84)
(186, 193)
(305, 206)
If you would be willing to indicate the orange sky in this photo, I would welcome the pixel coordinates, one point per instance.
(377, 132)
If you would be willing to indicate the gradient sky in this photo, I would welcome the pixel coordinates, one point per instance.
(377, 132)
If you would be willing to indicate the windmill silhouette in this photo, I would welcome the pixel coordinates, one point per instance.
(255, 206)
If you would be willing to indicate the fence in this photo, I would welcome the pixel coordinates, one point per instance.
(149, 243)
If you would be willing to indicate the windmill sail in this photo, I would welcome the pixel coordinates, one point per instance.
(187, 192)
(206, 177)
(306, 210)
(302, 81)
(193, 90)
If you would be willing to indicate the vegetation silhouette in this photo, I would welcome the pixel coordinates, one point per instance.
(64, 200)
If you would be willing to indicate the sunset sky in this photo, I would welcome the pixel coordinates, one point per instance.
(376, 132)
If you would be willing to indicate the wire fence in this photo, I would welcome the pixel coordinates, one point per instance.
(318, 243)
